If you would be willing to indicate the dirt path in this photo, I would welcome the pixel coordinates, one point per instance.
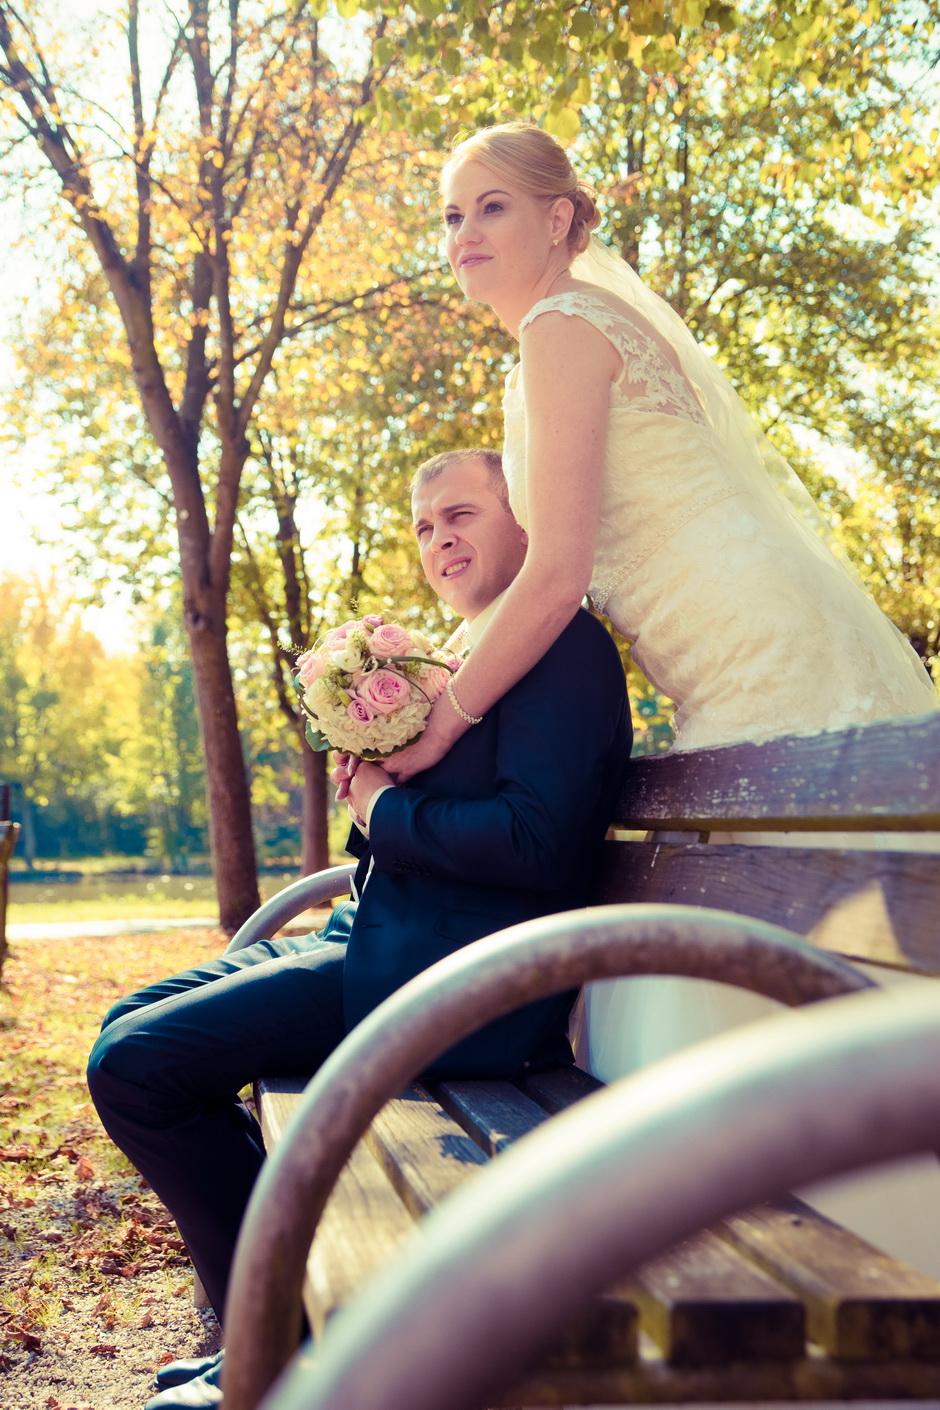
(84, 1347)
(96, 1290)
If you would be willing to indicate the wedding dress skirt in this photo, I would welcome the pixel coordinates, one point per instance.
(755, 631)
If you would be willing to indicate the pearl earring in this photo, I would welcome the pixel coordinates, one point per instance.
(554, 242)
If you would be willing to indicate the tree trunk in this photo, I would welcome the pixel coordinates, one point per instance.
(229, 798)
(315, 847)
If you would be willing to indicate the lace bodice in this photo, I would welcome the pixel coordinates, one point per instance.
(649, 381)
(751, 629)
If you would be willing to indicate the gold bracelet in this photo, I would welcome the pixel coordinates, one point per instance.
(452, 697)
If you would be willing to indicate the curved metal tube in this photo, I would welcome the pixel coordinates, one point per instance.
(308, 891)
(507, 1261)
(423, 1019)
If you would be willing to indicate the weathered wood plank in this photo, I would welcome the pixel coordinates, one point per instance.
(363, 1225)
(364, 1222)
(653, 1381)
(9, 831)
(704, 1308)
(276, 1100)
(423, 1152)
(861, 1304)
(494, 1114)
(876, 906)
(559, 1088)
(605, 1337)
(883, 776)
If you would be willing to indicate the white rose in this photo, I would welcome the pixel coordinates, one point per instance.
(349, 659)
(318, 697)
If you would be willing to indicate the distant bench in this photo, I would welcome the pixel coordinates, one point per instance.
(9, 831)
(777, 1303)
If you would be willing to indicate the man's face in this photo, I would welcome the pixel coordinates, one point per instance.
(471, 547)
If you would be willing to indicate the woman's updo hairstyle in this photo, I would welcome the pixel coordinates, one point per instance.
(536, 163)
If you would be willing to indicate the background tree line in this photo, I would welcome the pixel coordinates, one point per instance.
(244, 341)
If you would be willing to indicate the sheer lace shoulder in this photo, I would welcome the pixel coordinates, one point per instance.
(649, 383)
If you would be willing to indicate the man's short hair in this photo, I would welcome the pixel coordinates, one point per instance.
(448, 458)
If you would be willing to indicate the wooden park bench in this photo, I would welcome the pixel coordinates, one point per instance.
(9, 831)
(771, 1304)
(512, 1262)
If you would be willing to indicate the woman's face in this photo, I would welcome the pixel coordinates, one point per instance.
(497, 237)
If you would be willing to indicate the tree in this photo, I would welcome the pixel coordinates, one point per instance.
(62, 706)
(200, 207)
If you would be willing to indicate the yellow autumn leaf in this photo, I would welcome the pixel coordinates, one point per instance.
(563, 123)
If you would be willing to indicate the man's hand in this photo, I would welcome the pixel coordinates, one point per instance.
(357, 781)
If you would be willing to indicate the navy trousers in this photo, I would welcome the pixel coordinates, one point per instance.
(166, 1071)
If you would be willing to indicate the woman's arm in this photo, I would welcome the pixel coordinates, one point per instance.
(567, 368)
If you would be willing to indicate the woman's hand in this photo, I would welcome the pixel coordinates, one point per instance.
(444, 727)
(342, 773)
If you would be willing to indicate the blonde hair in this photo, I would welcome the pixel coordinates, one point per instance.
(538, 164)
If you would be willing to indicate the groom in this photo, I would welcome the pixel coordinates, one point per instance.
(501, 830)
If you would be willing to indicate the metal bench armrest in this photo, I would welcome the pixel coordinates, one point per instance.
(292, 901)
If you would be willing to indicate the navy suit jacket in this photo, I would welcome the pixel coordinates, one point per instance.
(506, 827)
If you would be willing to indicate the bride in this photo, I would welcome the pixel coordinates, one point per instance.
(641, 479)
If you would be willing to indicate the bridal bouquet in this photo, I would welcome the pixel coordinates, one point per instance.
(368, 686)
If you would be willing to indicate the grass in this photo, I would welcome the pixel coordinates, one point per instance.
(112, 908)
(74, 1216)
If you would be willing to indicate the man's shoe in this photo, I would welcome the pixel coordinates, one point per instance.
(197, 1394)
(177, 1373)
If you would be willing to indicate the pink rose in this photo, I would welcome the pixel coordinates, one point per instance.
(336, 636)
(389, 640)
(385, 691)
(310, 667)
(359, 711)
(373, 620)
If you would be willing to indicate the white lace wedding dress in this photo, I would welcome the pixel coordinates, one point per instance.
(752, 630)
(753, 627)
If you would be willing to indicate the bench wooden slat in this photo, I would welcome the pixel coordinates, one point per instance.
(558, 1089)
(704, 1308)
(883, 776)
(364, 1222)
(276, 1100)
(424, 1153)
(701, 1303)
(493, 1114)
(363, 1225)
(874, 906)
(879, 1385)
(861, 1304)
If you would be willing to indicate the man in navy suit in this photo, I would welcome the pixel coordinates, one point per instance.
(503, 829)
